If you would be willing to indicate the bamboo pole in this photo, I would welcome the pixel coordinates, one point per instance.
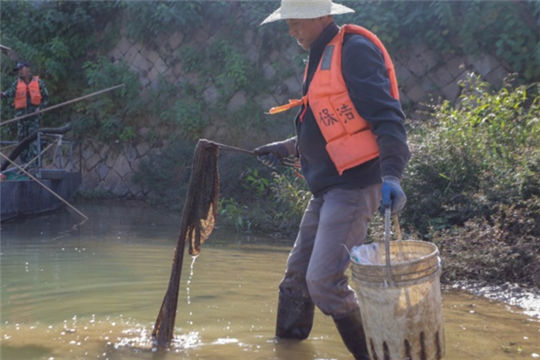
(61, 104)
(44, 186)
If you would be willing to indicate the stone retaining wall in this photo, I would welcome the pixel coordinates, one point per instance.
(422, 75)
(111, 169)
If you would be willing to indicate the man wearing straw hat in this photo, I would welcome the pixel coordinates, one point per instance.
(350, 139)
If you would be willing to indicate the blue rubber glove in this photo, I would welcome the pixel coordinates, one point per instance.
(392, 194)
(272, 154)
(270, 160)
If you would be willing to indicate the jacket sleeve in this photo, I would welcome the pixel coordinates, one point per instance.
(367, 80)
(44, 94)
(10, 92)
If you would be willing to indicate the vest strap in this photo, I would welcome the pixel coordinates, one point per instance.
(292, 103)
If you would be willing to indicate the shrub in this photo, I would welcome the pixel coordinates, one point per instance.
(291, 194)
(473, 185)
(165, 176)
(233, 214)
(110, 117)
(272, 202)
(472, 156)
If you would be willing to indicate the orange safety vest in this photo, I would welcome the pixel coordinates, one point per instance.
(23, 89)
(349, 139)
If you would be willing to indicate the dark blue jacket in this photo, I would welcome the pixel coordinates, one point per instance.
(366, 77)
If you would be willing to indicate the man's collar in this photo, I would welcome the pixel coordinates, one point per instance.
(324, 38)
(30, 78)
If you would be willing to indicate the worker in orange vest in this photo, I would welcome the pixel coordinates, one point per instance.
(29, 96)
(352, 146)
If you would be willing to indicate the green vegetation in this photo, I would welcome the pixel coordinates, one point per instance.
(505, 29)
(148, 19)
(473, 185)
(485, 150)
(56, 38)
(272, 202)
(109, 118)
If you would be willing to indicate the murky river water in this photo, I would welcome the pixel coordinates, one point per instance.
(94, 293)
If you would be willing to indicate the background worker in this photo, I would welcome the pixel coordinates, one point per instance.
(350, 138)
(30, 95)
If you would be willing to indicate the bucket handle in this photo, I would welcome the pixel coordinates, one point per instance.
(387, 221)
(387, 225)
(397, 229)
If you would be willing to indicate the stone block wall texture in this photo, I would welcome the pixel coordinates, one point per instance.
(422, 75)
(111, 169)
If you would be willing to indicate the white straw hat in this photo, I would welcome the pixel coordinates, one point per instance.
(306, 9)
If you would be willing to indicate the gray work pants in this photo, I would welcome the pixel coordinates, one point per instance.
(332, 223)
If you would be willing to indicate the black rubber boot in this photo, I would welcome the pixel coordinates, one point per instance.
(294, 316)
(351, 331)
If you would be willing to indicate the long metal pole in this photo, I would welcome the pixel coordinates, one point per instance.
(43, 185)
(230, 147)
(387, 221)
(61, 104)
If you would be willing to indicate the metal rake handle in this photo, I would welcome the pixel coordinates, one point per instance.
(387, 223)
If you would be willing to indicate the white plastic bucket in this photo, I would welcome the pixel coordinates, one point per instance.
(401, 308)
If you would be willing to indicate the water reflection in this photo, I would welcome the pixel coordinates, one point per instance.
(94, 293)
